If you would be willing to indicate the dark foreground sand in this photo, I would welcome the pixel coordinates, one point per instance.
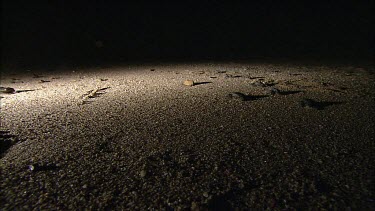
(130, 138)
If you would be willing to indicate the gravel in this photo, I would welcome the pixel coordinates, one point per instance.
(142, 140)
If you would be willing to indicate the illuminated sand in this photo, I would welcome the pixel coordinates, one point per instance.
(128, 137)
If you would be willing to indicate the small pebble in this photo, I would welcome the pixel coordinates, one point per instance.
(31, 167)
(7, 90)
(259, 84)
(205, 194)
(142, 173)
(241, 185)
(237, 95)
(189, 83)
(309, 103)
(194, 206)
(274, 91)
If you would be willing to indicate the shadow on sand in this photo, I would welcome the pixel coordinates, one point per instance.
(244, 97)
(309, 103)
(7, 140)
(201, 83)
(289, 92)
(25, 90)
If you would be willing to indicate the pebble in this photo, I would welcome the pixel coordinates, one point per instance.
(189, 83)
(194, 206)
(275, 91)
(237, 95)
(142, 173)
(309, 103)
(259, 84)
(31, 167)
(205, 194)
(7, 90)
(241, 185)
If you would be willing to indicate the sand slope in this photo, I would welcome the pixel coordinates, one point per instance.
(131, 138)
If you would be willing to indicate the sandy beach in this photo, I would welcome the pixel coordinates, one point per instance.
(247, 135)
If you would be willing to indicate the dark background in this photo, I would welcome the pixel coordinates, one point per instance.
(55, 33)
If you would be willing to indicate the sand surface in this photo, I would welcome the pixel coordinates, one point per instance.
(134, 137)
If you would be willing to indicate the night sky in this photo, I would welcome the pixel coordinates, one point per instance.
(57, 32)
